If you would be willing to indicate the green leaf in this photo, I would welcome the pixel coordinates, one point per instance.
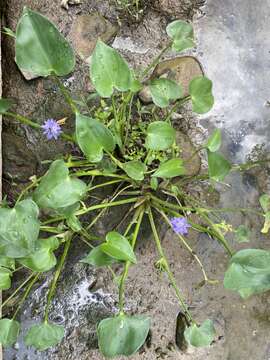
(19, 229)
(40, 48)
(214, 141)
(200, 90)
(122, 335)
(7, 262)
(93, 137)
(154, 183)
(248, 272)
(182, 34)
(57, 189)
(5, 281)
(9, 331)
(164, 90)
(135, 169)
(43, 259)
(109, 70)
(218, 166)
(98, 258)
(44, 336)
(170, 169)
(118, 247)
(160, 136)
(242, 234)
(265, 202)
(200, 336)
(266, 225)
(74, 223)
(5, 105)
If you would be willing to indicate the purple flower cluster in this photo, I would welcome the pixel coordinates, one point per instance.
(51, 129)
(180, 225)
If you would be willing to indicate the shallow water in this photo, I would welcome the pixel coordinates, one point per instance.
(234, 47)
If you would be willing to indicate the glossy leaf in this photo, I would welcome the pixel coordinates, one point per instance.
(93, 137)
(122, 335)
(160, 136)
(109, 70)
(40, 48)
(43, 259)
(9, 331)
(118, 247)
(57, 189)
(154, 183)
(44, 336)
(248, 272)
(218, 166)
(19, 229)
(182, 35)
(200, 336)
(5, 281)
(265, 202)
(200, 90)
(98, 258)
(164, 90)
(242, 234)
(5, 105)
(170, 169)
(214, 141)
(135, 169)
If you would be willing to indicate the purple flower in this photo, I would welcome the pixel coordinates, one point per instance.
(51, 129)
(180, 225)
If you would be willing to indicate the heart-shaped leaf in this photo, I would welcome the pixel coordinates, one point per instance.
(135, 169)
(170, 169)
(19, 229)
(160, 136)
(5, 281)
(44, 336)
(9, 331)
(5, 105)
(265, 202)
(122, 335)
(214, 141)
(248, 272)
(200, 336)
(218, 166)
(40, 48)
(182, 35)
(200, 90)
(109, 70)
(98, 258)
(164, 90)
(93, 137)
(118, 247)
(43, 259)
(57, 189)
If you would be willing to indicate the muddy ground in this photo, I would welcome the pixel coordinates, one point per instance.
(86, 295)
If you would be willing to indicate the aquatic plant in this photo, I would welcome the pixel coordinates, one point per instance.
(137, 154)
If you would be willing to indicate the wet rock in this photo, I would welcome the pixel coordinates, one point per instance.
(85, 31)
(191, 159)
(181, 69)
(182, 9)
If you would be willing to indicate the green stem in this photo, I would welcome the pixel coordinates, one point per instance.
(16, 291)
(104, 184)
(56, 277)
(27, 291)
(65, 92)
(155, 61)
(138, 217)
(99, 173)
(167, 267)
(176, 105)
